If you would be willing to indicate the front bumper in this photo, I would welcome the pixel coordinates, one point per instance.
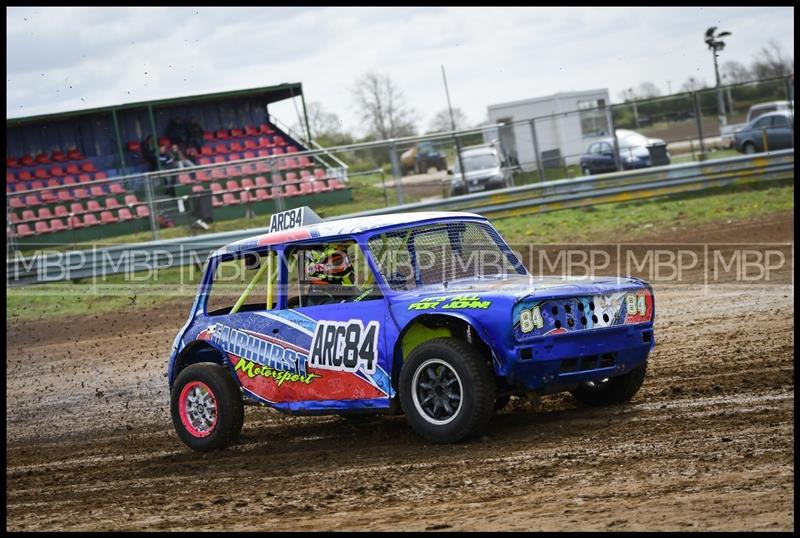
(552, 362)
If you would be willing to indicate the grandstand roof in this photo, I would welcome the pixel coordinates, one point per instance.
(271, 93)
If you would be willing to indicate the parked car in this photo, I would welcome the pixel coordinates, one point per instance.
(727, 132)
(777, 127)
(635, 151)
(431, 315)
(486, 169)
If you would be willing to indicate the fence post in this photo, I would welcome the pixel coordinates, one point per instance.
(539, 165)
(788, 84)
(699, 117)
(148, 190)
(383, 186)
(613, 129)
(398, 177)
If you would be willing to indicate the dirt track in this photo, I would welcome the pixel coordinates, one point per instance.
(707, 444)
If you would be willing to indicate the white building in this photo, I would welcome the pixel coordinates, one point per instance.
(566, 123)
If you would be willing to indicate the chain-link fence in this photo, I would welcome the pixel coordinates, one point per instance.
(242, 193)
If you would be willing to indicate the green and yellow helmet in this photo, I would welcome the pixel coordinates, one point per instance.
(330, 266)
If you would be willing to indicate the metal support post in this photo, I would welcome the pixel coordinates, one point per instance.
(398, 177)
(539, 165)
(613, 129)
(699, 118)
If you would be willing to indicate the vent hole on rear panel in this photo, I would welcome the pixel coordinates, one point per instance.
(583, 320)
(594, 318)
(605, 318)
(558, 324)
(567, 309)
(554, 310)
(591, 305)
(570, 322)
(580, 307)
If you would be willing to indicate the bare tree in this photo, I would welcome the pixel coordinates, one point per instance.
(322, 122)
(647, 90)
(382, 107)
(441, 121)
(734, 72)
(771, 62)
(693, 84)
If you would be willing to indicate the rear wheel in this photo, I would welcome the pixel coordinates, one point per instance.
(749, 148)
(207, 407)
(447, 390)
(611, 390)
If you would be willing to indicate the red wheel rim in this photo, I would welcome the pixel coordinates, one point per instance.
(198, 409)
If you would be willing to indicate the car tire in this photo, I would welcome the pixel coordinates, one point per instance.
(614, 390)
(447, 390)
(197, 388)
(587, 171)
(749, 148)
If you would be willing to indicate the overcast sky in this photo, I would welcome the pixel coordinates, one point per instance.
(68, 58)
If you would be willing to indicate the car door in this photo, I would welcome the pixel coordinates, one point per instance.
(606, 158)
(343, 337)
(780, 134)
(760, 128)
(589, 159)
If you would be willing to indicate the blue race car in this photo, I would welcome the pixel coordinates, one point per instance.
(428, 314)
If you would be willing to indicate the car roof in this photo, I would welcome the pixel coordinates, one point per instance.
(340, 227)
(773, 113)
(769, 103)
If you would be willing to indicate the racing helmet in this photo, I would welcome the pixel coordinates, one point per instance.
(330, 266)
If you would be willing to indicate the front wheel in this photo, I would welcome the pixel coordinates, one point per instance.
(447, 390)
(611, 390)
(207, 407)
(749, 148)
(587, 171)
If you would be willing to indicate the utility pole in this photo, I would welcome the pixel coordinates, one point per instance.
(715, 44)
(669, 87)
(635, 111)
(453, 124)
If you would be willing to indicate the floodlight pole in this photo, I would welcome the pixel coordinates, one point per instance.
(717, 45)
(453, 124)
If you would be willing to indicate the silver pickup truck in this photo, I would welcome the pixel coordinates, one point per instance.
(727, 131)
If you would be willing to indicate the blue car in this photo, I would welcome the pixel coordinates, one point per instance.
(635, 151)
(427, 314)
(771, 131)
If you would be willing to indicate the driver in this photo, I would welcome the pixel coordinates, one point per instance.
(331, 276)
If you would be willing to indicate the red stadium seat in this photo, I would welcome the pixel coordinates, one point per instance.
(73, 169)
(134, 146)
(87, 166)
(208, 136)
(237, 132)
(10, 177)
(264, 142)
(75, 222)
(278, 140)
(206, 150)
(291, 149)
(61, 211)
(185, 179)
(336, 184)
(319, 173)
(265, 129)
(291, 162)
(247, 183)
(32, 200)
(42, 227)
(37, 185)
(219, 159)
(202, 175)
(116, 188)
(164, 141)
(64, 195)
(70, 180)
(198, 188)
(261, 181)
(245, 197)
(24, 175)
(57, 225)
(49, 197)
(231, 185)
(12, 162)
(263, 167)
(306, 188)
(26, 160)
(229, 199)
(218, 173)
(247, 170)
(292, 190)
(291, 177)
(57, 171)
(97, 190)
(90, 220)
(77, 208)
(74, 155)
(112, 203)
(233, 171)
(80, 194)
(215, 201)
(42, 158)
(250, 144)
(262, 195)
(277, 179)
(16, 202)
(100, 175)
(40, 173)
(205, 160)
(28, 214)
(93, 205)
(23, 230)
(221, 149)
(250, 130)
(14, 218)
(276, 192)
(125, 214)
(130, 199)
(44, 213)
(320, 186)
(263, 153)
(305, 161)
(236, 146)
(222, 134)
(58, 156)
(84, 178)
(277, 151)
(216, 188)
(305, 173)
(107, 217)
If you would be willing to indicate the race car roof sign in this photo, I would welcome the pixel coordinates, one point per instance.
(293, 218)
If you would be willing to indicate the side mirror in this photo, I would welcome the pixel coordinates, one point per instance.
(449, 171)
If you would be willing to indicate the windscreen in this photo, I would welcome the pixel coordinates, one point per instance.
(442, 253)
(482, 161)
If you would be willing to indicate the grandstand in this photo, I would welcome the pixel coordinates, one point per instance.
(79, 176)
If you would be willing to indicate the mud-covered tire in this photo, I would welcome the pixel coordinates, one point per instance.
(198, 381)
(616, 390)
(456, 368)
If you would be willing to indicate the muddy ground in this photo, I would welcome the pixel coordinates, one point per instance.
(707, 444)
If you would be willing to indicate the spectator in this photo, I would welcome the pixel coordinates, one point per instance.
(194, 134)
(148, 152)
(177, 132)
